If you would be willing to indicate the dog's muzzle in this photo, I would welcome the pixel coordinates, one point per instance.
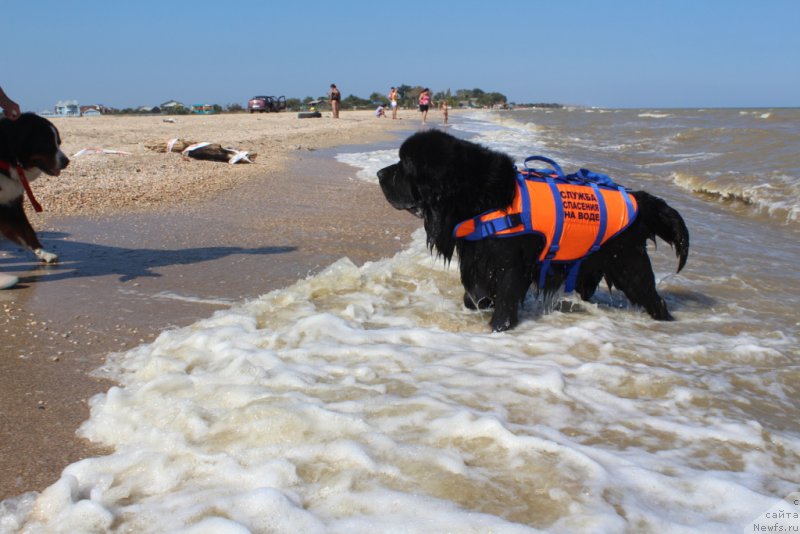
(397, 190)
(385, 173)
(61, 162)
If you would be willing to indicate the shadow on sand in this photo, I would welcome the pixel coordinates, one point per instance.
(80, 259)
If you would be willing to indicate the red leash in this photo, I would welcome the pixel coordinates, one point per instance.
(25, 185)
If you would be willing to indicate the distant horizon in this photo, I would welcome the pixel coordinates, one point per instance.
(565, 105)
(620, 54)
(243, 103)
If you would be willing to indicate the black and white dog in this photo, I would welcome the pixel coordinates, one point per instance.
(29, 146)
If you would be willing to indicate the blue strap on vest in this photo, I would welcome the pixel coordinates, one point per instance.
(589, 177)
(483, 229)
(594, 179)
(601, 230)
(527, 209)
(551, 252)
(572, 276)
(549, 161)
(628, 204)
(490, 228)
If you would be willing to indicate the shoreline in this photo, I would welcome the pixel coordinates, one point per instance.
(142, 179)
(141, 265)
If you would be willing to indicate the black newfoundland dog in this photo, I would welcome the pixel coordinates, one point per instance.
(445, 180)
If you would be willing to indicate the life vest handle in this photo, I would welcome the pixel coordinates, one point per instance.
(556, 167)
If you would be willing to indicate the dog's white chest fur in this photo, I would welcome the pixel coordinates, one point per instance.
(10, 187)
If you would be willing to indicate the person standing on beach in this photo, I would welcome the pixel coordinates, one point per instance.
(336, 97)
(424, 103)
(10, 110)
(444, 111)
(393, 101)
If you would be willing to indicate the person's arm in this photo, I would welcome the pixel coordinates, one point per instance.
(10, 108)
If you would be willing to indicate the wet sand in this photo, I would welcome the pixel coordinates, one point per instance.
(127, 275)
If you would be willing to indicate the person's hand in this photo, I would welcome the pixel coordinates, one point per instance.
(11, 109)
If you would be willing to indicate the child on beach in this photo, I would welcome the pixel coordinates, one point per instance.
(393, 101)
(444, 112)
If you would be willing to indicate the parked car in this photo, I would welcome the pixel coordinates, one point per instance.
(266, 103)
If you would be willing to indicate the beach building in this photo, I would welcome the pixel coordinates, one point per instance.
(203, 109)
(92, 110)
(173, 107)
(67, 108)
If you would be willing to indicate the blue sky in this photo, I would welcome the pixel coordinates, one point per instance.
(637, 53)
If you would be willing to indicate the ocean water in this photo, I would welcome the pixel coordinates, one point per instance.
(367, 399)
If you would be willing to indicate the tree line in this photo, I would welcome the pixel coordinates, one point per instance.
(407, 97)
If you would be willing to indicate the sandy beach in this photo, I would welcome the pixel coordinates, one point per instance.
(150, 241)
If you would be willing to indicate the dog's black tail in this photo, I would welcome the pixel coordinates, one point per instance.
(665, 222)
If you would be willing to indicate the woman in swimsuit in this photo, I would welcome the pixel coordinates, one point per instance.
(335, 97)
(424, 103)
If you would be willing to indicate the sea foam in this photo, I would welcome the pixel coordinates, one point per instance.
(367, 398)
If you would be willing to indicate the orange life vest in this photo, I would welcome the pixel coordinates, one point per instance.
(575, 214)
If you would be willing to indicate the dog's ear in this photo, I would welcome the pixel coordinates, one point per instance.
(466, 176)
(10, 138)
(16, 134)
(489, 177)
